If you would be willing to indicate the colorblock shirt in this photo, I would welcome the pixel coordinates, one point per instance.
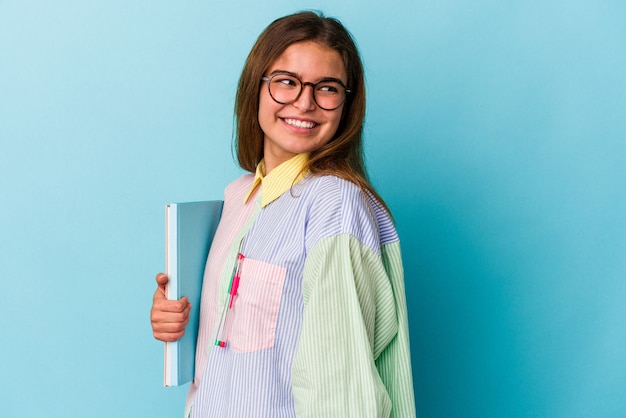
(318, 327)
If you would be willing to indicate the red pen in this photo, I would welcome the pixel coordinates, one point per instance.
(235, 284)
(220, 339)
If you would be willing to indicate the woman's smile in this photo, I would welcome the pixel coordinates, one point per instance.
(300, 123)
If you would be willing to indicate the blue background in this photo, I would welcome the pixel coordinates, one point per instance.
(495, 131)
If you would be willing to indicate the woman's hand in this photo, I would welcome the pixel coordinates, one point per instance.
(168, 317)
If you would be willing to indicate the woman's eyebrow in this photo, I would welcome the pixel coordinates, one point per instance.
(336, 80)
(285, 72)
(298, 76)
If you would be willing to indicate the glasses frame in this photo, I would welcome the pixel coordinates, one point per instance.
(303, 85)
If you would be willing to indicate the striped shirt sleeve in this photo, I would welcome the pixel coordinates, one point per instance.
(353, 357)
(394, 362)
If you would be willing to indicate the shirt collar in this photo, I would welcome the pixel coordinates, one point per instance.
(279, 180)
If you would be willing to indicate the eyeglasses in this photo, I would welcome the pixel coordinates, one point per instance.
(285, 88)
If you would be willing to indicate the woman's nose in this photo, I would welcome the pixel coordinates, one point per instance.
(306, 100)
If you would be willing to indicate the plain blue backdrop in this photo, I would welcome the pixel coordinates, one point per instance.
(495, 131)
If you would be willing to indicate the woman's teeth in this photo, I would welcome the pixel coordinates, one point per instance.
(300, 123)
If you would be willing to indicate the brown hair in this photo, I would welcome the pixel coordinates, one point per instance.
(342, 156)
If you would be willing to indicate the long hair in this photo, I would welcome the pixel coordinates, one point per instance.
(342, 156)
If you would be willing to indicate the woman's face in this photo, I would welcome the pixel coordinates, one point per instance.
(301, 126)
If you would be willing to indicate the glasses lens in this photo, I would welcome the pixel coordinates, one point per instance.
(328, 95)
(284, 88)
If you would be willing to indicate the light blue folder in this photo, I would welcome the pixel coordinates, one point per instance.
(190, 228)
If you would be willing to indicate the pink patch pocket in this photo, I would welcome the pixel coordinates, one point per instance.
(255, 309)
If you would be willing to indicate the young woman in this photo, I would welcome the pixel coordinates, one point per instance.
(318, 327)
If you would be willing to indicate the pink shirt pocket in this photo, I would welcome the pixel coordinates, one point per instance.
(252, 323)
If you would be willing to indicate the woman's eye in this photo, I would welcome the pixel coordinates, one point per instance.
(328, 89)
(285, 82)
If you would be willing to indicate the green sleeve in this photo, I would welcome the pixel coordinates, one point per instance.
(353, 358)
